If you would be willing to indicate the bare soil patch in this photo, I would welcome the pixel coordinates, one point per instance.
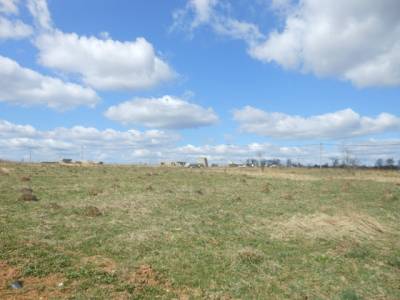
(103, 263)
(33, 287)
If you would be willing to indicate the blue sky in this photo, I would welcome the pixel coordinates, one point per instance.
(146, 81)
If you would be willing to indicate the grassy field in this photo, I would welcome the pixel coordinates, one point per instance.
(125, 232)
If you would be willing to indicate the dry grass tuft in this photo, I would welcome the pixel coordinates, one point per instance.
(5, 171)
(250, 256)
(288, 196)
(266, 188)
(321, 225)
(91, 211)
(149, 188)
(54, 205)
(346, 187)
(25, 178)
(95, 191)
(390, 196)
(103, 263)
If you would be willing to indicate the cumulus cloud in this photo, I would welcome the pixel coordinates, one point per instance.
(22, 86)
(17, 140)
(214, 14)
(165, 112)
(14, 29)
(340, 124)
(354, 40)
(102, 63)
(9, 6)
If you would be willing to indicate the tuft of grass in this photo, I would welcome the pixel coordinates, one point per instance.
(349, 295)
(250, 256)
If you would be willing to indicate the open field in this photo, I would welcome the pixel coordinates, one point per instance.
(129, 232)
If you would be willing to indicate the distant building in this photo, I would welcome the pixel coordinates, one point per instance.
(66, 161)
(203, 161)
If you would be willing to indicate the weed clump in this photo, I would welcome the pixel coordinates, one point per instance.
(250, 256)
(349, 295)
(95, 191)
(199, 192)
(288, 196)
(25, 178)
(92, 211)
(266, 188)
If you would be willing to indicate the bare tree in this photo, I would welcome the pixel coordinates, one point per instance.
(390, 163)
(335, 162)
(379, 163)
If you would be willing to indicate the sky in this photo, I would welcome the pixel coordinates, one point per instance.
(148, 81)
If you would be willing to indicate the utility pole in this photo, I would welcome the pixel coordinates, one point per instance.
(30, 155)
(320, 155)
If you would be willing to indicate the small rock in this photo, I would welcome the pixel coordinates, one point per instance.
(17, 284)
(60, 285)
(25, 178)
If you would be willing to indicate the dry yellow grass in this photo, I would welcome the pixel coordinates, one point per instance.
(320, 225)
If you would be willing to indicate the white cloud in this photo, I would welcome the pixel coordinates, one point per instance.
(9, 6)
(213, 14)
(14, 29)
(16, 140)
(26, 87)
(203, 10)
(102, 63)
(340, 124)
(41, 14)
(165, 112)
(350, 39)
(153, 146)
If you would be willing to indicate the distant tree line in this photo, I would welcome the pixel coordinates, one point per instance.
(346, 162)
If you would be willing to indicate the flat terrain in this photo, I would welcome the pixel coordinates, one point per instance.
(128, 232)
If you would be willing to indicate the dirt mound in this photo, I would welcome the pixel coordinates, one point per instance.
(25, 178)
(91, 211)
(27, 195)
(321, 225)
(33, 287)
